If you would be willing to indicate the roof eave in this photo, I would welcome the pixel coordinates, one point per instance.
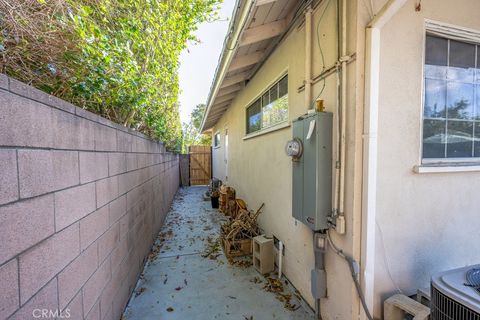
(241, 14)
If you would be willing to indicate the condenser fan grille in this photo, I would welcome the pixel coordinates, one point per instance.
(445, 308)
(473, 278)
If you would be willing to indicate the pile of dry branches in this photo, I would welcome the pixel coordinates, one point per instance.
(242, 226)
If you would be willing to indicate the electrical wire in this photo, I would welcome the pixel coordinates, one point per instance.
(385, 260)
(321, 51)
(354, 271)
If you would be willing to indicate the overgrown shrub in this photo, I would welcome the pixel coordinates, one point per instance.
(117, 58)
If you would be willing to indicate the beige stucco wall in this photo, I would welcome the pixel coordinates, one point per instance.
(425, 222)
(429, 222)
(261, 172)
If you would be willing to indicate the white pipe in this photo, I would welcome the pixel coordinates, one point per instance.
(343, 101)
(308, 57)
(372, 75)
(280, 259)
(337, 146)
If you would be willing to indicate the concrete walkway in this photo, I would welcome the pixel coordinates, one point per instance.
(178, 283)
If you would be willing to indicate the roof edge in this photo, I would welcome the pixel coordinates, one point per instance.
(241, 13)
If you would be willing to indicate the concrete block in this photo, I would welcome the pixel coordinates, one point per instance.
(118, 207)
(94, 313)
(8, 176)
(27, 91)
(108, 241)
(424, 296)
(124, 141)
(87, 115)
(93, 226)
(86, 131)
(263, 257)
(76, 274)
(72, 132)
(105, 138)
(398, 306)
(127, 181)
(25, 223)
(131, 159)
(108, 315)
(93, 166)
(3, 81)
(120, 127)
(150, 159)
(46, 299)
(106, 298)
(120, 300)
(42, 171)
(73, 204)
(106, 122)
(116, 163)
(41, 263)
(75, 308)
(107, 190)
(142, 160)
(119, 253)
(94, 286)
(133, 197)
(30, 92)
(61, 104)
(9, 289)
(24, 122)
(142, 143)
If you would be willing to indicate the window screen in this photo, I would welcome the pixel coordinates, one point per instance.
(451, 117)
(270, 109)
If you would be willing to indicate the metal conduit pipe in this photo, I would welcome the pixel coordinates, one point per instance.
(337, 118)
(308, 57)
(343, 101)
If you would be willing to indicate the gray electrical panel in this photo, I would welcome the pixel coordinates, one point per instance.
(312, 169)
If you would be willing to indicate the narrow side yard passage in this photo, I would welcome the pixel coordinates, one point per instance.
(180, 283)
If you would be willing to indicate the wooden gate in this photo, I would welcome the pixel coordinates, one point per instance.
(200, 165)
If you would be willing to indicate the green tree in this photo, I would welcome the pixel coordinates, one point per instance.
(191, 130)
(117, 58)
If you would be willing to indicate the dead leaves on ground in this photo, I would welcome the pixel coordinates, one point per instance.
(275, 285)
(139, 291)
(213, 247)
(242, 263)
(256, 280)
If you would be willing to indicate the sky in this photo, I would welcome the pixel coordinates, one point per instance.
(199, 61)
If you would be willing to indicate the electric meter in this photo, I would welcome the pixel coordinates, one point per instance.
(294, 148)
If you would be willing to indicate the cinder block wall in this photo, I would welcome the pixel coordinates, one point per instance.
(81, 201)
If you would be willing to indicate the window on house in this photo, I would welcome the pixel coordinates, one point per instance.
(270, 108)
(216, 139)
(451, 116)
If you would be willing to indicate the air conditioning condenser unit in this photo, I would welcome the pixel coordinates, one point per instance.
(456, 294)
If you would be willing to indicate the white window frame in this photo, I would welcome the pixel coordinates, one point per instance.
(273, 127)
(431, 165)
(219, 139)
